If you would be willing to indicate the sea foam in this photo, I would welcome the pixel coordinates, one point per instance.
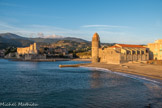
(136, 77)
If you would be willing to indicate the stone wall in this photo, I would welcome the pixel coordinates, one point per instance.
(109, 56)
(102, 55)
(31, 57)
(134, 57)
(155, 50)
(113, 57)
(32, 49)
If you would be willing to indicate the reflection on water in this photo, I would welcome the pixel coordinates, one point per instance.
(48, 85)
(26, 65)
(156, 92)
(95, 79)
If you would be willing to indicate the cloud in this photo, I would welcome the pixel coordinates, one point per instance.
(53, 36)
(39, 30)
(52, 31)
(4, 25)
(102, 26)
(48, 36)
(40, 34)
(106, 35)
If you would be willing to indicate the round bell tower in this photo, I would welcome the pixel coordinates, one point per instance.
(95, 48)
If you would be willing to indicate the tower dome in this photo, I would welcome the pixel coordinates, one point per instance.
(95, 37)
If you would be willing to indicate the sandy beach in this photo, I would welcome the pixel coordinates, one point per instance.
(79, 59)
(146, 70)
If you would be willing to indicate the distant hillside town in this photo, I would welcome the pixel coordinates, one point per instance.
(14, 46)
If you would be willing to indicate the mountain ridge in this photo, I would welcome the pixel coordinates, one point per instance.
(10, 39)
(11, 36)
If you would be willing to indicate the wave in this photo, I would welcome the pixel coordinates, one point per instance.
(137, 77)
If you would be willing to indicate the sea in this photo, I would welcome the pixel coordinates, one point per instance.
(45, 85)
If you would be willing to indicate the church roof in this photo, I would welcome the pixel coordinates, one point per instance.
(114, 47)
(129, 45)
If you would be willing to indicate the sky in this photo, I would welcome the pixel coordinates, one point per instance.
(116, 21)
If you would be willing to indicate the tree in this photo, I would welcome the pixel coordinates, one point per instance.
(41, 50)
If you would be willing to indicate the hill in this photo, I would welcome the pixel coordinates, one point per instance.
(72, 46)
(54, 40)
(75, 39)
(10, 39)
(11, 36)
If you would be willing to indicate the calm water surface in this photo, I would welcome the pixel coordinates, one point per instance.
(49, 86)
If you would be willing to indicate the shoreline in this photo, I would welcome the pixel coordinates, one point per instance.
(79, 59)
(149, 71)
(48, 60)
(152, 72)
(42, 60)
(134, 76)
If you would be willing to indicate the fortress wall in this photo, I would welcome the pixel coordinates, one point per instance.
(155, 50)
(129, 57)
(36, 48)
(115, 59)
(102, 55)
(32, 49)
(148, 56)
(135, 57)
(139, 57)
(144, 57)
(112, 57)
(123, 57)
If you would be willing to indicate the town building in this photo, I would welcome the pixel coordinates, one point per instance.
(119, 53)
(155, 50)
(32, 49)
(62, 51)
(2, 53)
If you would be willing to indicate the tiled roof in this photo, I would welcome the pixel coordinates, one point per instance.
(114, 47)
(129, 45)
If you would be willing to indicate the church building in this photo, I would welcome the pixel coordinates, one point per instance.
(119, 53)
